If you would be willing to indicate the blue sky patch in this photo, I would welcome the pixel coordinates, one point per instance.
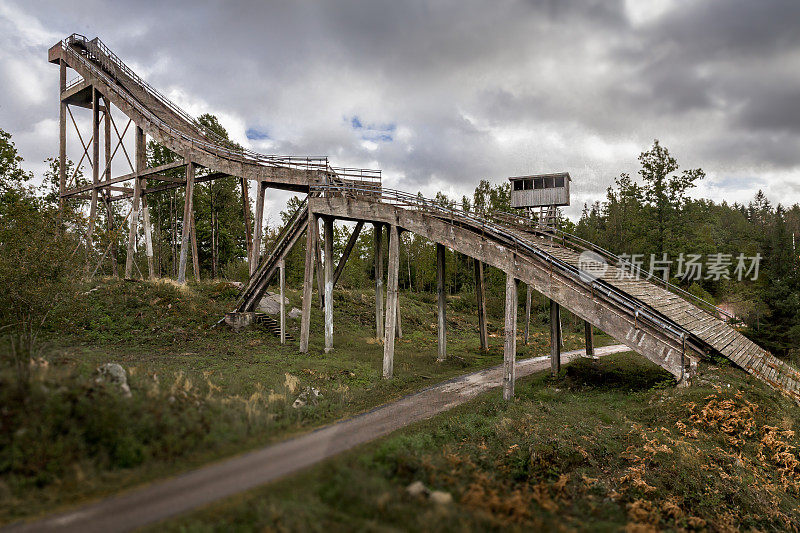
(374, 132)
(255, 134)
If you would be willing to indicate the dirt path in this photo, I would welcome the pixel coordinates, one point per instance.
(173, 496)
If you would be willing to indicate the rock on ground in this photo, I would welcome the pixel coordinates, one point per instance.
(271, 303)
(113, 374)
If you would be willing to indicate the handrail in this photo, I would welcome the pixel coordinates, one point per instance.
(580, 242)
(95, 52)
(395, 197)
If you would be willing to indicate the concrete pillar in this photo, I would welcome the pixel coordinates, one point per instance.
(555, 338)
(480, 293)
(248, 233)
(188, 208)
(378, 281)
(391, 302)
(106, 177)
(589, 330)
(282, 279)
(255, 252)
(195, 256)
(527, 333)
(328, 259)
(441, 302)
(510, 345)
(308, 282)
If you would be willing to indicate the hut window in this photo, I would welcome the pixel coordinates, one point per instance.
(548, 183)
(538, 183)
(518, 185)
(559, 181)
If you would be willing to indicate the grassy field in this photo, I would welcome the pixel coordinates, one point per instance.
(200, 393)
(609, 445)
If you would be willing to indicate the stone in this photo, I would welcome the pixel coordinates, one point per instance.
(295, 313)
(309, 395)
(417, 488)
(271, 303)
(441, 497)
(113, 374)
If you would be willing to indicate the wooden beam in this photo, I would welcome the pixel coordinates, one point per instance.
(555, 338)
(589, 331)
(107, 174)
(195, 255)
(95, 170)
(510, 345)
(188, 207)
(319, 267)
(308, 282)
(141, 164)
(62, 134)
(391, 302)
(526, 335)
(441, 302)
(378, 229)
(282, 282)
(351, 242)
(480, 293)
(127, 177)
(255, 253)
(328, 223)
(248, 233)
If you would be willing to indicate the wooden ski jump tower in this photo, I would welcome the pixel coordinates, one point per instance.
(668, 326)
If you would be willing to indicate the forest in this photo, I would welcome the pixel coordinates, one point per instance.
(651, 215)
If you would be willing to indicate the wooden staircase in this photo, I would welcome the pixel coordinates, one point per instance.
(272, 325)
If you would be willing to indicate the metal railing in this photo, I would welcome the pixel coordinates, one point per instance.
(483, 226)
(573, 241)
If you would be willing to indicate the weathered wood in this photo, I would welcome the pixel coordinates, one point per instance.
(193, 242)
(351, 242)
(255, 253)
(441, 302)
(526, 335)
(328, 259)
(141, 164)
(248, 233)
(107, 175)
(186, 225)
(378, 281)
(95, 172)
(510, 345)
(480, 293)
(62, 134)
(319, 267)
(391, 302)
(282, 283)
(589, 333)
(308, 281)
(148, 239)
(555, 338)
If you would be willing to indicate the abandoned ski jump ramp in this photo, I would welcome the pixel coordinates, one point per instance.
(661, 322)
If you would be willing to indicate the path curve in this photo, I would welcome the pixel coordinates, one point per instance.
(176, 495)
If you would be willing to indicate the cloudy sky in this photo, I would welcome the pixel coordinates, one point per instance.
(441, 94)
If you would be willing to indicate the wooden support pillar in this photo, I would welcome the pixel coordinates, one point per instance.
(510, 345)
(589, 330)
(107, 176)
(255, 252)
(555, 338)
(282, 280)
(348, 249)
(188, 207)
(248, 233)
(141, 164)
(391, 302)
(62, 133)
(328, 223)
(95, 171)
(320, 268)
(308, 282)
(195, 256)
(378, 281)
(480, 293)
(526, 336)
(441, 302)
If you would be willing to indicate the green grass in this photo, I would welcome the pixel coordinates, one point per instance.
(609, 445)
(201, 393)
